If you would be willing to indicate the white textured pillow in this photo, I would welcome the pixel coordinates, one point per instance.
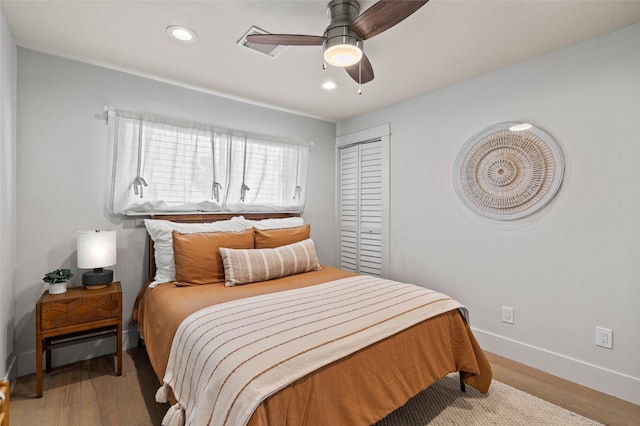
(161, 234)
(249, 266)
(285, 222)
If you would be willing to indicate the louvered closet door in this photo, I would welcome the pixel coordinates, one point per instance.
(361, 208)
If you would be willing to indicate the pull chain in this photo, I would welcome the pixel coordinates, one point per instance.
(360, 77)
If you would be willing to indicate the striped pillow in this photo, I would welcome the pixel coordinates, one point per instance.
(250, 266)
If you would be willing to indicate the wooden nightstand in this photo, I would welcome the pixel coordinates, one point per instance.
(77, 316)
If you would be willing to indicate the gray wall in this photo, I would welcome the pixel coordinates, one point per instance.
(7, 195)
(568, 269)
(64, 159)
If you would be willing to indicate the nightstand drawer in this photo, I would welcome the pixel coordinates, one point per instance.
(79, 310)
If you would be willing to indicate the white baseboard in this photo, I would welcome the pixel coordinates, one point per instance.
(26, 362)
(602, 379)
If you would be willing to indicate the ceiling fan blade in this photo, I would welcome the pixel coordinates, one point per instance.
(384, 15)
(363, 75)
(286, 39)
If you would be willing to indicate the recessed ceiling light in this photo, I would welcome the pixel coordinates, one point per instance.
(183, 34)
(520, 127)
(329, 85)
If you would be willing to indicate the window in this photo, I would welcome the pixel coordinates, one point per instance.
(166, 165)
(265, 174)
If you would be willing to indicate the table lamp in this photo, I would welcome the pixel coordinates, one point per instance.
(96, 250)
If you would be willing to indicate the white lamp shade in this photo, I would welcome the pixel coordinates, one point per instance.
(96, 249)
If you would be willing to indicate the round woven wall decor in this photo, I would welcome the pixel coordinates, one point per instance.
(508, 174)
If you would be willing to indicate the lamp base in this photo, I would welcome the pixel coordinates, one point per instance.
(96, 287)
(98, 278)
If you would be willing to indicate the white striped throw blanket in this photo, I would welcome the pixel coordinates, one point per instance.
(228, 358)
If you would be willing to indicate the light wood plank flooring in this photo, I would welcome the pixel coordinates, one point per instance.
(87, 393)
(571, 396)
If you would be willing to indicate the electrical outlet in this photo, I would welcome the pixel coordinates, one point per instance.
(604, 337)
(507, 314)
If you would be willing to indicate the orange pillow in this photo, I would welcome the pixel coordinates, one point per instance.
(272, 238)
(197, 256)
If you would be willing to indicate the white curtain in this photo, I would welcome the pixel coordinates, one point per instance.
(266, 176)
(166, 165)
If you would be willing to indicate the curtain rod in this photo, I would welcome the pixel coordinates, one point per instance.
(109, 114)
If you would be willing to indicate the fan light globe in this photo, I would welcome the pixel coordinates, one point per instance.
(343, 55)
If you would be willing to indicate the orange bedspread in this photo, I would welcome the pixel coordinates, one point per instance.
(359, 389)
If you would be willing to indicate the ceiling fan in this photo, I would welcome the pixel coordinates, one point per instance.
(343, 38)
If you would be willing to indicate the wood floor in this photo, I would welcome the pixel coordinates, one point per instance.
(587, 402)
(87, 393)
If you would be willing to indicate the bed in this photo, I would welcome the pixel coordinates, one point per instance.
(359, 388)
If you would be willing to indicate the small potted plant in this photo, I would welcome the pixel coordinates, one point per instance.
(57, 280)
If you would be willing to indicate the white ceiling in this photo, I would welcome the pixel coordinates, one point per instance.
(444, 42)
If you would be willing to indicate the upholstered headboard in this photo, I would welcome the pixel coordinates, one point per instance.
(205, 218)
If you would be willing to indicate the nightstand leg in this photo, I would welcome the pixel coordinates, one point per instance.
(38, 367)
(47, 362)
(119, 349)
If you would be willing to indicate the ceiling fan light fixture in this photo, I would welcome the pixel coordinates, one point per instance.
(342, 55)
(342, 46)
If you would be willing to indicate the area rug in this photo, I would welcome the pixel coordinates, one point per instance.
(444, 404)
